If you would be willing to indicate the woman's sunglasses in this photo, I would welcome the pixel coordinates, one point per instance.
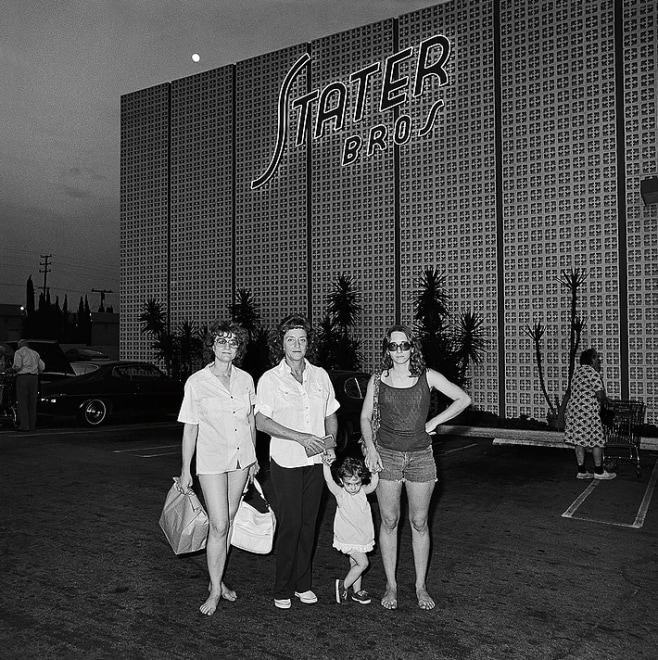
(403, 346)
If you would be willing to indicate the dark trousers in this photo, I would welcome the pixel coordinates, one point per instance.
(27, 386)
(298, 493)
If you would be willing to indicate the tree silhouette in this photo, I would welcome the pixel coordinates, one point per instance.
(448, 345)
(338, 348)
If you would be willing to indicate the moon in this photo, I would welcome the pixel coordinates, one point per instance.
(195, 57)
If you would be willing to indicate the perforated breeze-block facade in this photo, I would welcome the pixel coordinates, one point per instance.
(502, 142)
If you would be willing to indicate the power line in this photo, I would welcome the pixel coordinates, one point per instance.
(45, 271)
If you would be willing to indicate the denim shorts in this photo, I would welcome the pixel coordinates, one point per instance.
(414, 466)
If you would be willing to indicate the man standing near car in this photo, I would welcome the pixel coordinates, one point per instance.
(28, 364)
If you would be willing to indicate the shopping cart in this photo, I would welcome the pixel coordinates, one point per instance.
(621, 419)
(8, 398)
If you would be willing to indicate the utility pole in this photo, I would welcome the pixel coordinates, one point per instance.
(45, 272)
(102, 292)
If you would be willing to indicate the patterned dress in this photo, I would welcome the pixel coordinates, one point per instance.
(583, 422)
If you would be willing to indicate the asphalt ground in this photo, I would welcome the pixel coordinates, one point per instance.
(527, 563)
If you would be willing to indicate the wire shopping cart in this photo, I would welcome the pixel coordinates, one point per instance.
(8, 410)
(621, 419)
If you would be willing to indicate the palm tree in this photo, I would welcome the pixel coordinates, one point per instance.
(449, 347)
(573, 279)
(190, 349)
(431, 302)
(343, 305)
(152, 318)
(244, 310)
(337, 347)
(469, 341)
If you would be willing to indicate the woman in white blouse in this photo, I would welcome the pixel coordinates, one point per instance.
(218, 415)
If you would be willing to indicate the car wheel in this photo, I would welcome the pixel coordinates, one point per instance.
(94, 412)
(343, 437)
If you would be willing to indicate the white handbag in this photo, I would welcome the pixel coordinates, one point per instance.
(253, 530)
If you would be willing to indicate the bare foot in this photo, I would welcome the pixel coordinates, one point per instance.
(209, 607)
(390, 599)
(425, 601)
(228, 594)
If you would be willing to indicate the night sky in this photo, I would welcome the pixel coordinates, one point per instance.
(64, 65)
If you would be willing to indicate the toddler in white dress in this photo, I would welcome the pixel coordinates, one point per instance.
(354, 532)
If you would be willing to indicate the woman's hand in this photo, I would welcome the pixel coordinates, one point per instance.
(329, 456)
(185, 481)
(254, 468)
(372, 460)
(430, 428)
(312, 444)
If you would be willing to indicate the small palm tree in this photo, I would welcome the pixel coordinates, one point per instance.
(337, 347)
(469, 342)
(189, 349)
(573, 279)
(343, 305)
(152, 318)
(244, 310)
(448, 346)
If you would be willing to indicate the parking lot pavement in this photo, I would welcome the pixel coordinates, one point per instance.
(87, 573)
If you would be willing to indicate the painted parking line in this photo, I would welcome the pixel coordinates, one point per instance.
(641, 513)
(130, 451)
(452, 451)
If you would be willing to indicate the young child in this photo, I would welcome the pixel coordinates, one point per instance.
(354, 532)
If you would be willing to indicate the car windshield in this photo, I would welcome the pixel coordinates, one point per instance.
(356, 386)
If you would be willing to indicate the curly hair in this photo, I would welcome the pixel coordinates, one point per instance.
(352, 467)
(588, 356)
(225, 329)
(291, 322)
(417, 365)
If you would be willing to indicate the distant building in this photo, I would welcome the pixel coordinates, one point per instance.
(11, 322)
(500, 147)
(105, 331)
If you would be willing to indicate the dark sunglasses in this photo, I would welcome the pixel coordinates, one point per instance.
(403, 345)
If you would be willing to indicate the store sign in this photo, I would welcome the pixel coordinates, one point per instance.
(325, 110)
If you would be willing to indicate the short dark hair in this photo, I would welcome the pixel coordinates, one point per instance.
(291, 322)
(225, 328)
(588, 356)
(417, 365)
(352, 467)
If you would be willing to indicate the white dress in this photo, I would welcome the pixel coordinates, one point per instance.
(354, 530)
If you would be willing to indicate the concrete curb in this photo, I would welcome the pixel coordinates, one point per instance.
(529, 437)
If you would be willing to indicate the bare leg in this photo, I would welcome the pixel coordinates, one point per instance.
(357, 583)
(597, 454)
(358, 564)
(419, 495)
(580, 456)
(219, 492)
(388, 496)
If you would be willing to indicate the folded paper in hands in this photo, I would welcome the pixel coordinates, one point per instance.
(329, 443)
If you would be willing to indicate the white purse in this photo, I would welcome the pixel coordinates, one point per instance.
(253, 530)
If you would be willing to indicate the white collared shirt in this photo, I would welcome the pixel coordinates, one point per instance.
(298, 406)
(225, 436)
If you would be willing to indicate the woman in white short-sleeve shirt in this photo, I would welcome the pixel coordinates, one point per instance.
(218, 415)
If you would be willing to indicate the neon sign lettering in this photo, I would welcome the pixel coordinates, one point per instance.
(330, 104)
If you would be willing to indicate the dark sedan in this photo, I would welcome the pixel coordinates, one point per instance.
(115, 387)
(350, 388)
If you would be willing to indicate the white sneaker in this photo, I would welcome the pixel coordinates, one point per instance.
(605, 475)
(584, 475)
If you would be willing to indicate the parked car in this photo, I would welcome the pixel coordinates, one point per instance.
(116, 387)
(82, 354)
(57, 366)
(350, 388)
(84, 367)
